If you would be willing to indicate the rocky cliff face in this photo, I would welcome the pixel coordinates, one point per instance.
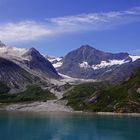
(39, 64)
(14, 76)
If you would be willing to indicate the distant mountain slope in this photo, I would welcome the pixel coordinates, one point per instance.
(4, 88)
(29, 59)
(120, 73)
(99, 97)
(14, 76)
(89, 63)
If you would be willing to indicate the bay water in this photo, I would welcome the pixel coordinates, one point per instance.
(67, 126)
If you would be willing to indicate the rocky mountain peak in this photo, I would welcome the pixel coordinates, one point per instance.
(38, 63)
(88, 50)
(32, 52)
(86, 47)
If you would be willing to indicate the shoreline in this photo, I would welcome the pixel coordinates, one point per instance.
(107, 113)
(54, 107)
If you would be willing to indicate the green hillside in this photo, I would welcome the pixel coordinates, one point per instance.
(32, 93)
(98, 97)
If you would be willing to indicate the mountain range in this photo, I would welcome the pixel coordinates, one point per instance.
(85, 62)
(110, 81)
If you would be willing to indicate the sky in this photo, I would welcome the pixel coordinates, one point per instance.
(55, 27)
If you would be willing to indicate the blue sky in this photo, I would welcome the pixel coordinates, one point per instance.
(57, 26)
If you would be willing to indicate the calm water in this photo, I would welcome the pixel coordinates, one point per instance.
(17, 126)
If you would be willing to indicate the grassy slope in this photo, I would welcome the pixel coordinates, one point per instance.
(120, 98)
(32, 93)
(78, 97)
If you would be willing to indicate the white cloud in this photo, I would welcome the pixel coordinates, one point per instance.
(30, 30)
(22, 31)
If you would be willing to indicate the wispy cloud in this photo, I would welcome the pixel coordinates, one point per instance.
(30, 30)
(22, 31)
(95, 21)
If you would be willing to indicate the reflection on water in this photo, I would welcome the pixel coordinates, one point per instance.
(17, 126)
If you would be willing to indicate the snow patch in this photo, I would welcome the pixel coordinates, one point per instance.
(109, 63)
(65, 76)
(57, 65)
(103, 64)
(56, 61)
(53, 58)
(84, 65)
(71, 80)
(134, 58)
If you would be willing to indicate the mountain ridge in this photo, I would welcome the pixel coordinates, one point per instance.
(30, 60)
(84, 62)
(87, 62)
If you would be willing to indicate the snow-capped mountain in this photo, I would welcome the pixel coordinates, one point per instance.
(89, 63)
(85, 62)
(29, 59)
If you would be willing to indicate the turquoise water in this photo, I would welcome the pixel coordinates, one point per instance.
(20, 126)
